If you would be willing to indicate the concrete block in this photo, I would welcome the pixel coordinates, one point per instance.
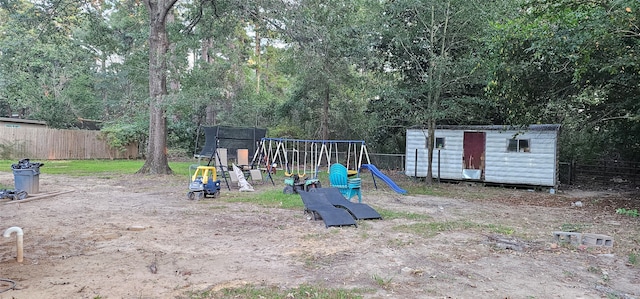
(568, 237)
(587, 239)
(597, 240)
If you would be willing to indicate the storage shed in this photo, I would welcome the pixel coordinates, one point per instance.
(21, 123)
(492, 153)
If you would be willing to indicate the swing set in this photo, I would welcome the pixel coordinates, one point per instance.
(296, 156)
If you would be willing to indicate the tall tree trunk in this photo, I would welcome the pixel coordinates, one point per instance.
(437, 63)
(258, 62)
(211, 106)
(210, 118)
(157, 161)
(324, 122)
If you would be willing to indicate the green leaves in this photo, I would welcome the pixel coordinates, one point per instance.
(44, 70)
(570, 62)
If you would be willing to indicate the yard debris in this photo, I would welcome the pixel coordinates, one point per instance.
(613, 293)
(41, 196)
(153, 268)
(242, 181)
(13, 194)
(136, 228)
(505, 243)
(26, 164)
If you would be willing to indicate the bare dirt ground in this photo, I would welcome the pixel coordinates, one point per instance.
(138, 237)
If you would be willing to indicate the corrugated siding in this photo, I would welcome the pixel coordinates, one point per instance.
(537, 167)
(450, 155)
(53, 144)
(416, 141)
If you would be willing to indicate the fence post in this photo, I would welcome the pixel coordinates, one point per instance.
(572, 172)
(415, 166)
(438, 166)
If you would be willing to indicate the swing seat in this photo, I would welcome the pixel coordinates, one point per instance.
(300, 175)
(338, 177)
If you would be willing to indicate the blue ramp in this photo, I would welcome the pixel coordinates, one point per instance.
(375, 171)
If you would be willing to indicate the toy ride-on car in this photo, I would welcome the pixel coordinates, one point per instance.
(295, 184)
(204, 183)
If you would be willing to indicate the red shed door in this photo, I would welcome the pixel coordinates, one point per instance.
(474, 145)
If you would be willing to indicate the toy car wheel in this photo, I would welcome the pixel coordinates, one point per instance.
(215, 194)
(308, 215)
(298, 188)
(200, 195)
(191, 195)
(288, 190)
(312, 187)
(21, 195)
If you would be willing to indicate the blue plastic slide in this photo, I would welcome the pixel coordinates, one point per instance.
(375, 171)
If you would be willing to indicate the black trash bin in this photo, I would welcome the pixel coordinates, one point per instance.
(26, 176)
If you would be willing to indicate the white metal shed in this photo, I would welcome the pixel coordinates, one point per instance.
(491, 153)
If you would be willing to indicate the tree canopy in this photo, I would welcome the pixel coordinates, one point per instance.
(153, 71)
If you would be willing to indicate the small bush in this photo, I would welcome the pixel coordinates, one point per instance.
(630, 213)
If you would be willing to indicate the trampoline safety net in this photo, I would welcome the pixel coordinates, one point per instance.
(231, 138)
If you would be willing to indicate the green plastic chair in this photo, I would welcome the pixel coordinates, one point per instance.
(339, 179)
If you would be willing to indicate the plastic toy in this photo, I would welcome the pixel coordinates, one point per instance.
(204, 183)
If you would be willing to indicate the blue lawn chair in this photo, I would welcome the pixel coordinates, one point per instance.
(339, 179)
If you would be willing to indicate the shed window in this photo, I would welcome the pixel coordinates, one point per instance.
(518, 145)
(439, 142)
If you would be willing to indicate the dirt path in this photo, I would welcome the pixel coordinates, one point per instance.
(138, 237)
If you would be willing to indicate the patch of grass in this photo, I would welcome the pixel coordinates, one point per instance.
(422, 188)
(568, 273)
(311, 261)
(93, 167)
(396, 243)
(573, 227)
(269, 198)
(315, 236)
(628, 212)
(594, 269)
(212, 207)
(363, 226)
(274, 292)
(389, 214)
(383, 282)
(419, 190)
(83, 167)
(633, 259)
(470, 192)
(430, 229)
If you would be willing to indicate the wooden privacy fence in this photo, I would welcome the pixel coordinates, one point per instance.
(55, 144)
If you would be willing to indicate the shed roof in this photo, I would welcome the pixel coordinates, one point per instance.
(542, 127)
(22, 121)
